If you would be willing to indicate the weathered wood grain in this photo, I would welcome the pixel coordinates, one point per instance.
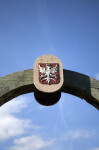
(75, 83)
(82, 86)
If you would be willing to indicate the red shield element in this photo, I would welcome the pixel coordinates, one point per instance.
(48, 73)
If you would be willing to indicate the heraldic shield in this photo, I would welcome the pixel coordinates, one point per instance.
(48, 73)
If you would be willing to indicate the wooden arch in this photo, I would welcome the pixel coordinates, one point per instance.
(75, 83)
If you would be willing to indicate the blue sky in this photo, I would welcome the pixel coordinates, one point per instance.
(68, 29)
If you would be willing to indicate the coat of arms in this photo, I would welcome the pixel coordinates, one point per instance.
(49, 73)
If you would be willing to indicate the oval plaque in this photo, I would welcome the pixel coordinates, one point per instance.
(48, 73)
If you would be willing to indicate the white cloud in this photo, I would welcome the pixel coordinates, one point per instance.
(31, 143)
(14, 106)
(97, 76)
(78, 134)
(97, 148)
(10, 125)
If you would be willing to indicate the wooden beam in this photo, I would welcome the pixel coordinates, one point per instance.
(75, 83)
